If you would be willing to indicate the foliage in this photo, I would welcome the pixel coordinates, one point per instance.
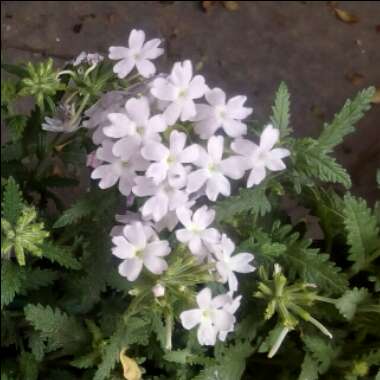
(68, 314)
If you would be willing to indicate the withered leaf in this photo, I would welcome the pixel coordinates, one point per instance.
(355, 78)
(131, 370)
(345, 16)
(231, 5)
(206, 5)
(376, 97)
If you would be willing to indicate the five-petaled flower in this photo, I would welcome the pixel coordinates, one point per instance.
(138, 53)
(260, 157)
(139, 247)
(211, 316)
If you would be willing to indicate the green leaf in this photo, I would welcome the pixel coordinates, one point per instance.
(309, 369)
(37, 345)
(28, 366)
(61, 330)
(253, 201)
(311, 161)
(16, 125)
(362, 232)
(321, 351)
(37, 278)
(12, 201)
(343, 122)
(281, 110)
(349, 302)
(134, 330)
(12, 280)
(60, 255)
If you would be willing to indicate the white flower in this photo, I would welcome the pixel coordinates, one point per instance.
(231, 306)
(122, 169)
(90, 58)
(97, 114)
(158, 290)
(137, 249)
(227, 265)
(221, 114)
(64, 121)
(214, 170)
(261, 157)
(137, 54)
(210, 316)
(169, 160)
(135, 121)
(196, 233)
(179, 89)
(163, 198)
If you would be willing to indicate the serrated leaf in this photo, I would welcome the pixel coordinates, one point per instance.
(28, 366)
(362, 232)
(321, 351)
(253, 201)
(60, 255)
(348, 303)
(61, 330)
(344, 121)
(309, 369)
(12, 280)
(281, 110)
(12, 201)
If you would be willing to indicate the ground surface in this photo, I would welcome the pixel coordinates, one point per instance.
(248, 51)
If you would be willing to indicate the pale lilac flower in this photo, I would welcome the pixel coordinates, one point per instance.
(231, 307)
(65, 120)
(213, 170)
(162, 198)
(196, 234)
(120, 169)
(135, 121)
(227, 264)
(260, 157)
(138, 53)
(211, 316)
(137, 249)
(220, 113)
(89, 58)
(169, 161)
(97, 114)
(179, 90)
(92, 161)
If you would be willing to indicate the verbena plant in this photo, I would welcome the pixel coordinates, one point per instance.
(203, 275)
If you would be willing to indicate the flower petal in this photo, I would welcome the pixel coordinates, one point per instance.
(233, 167)
(131, 268)
(269, 137)
(120, 126)
(123, 249)
(155, 151)
(256, 176)
(118, 52)
(216, 97)
(124, 67)
(203, 217)
(197, 87)
(136, 39)
(184, 215)
(241, 263)
(196, 180)
(135, 234)
(145, 68)
(244, 147)
(138, 110)
(215, 148)
(204, 298)
(190, 318)
(206, 333)
(155, 264)
(157, 248)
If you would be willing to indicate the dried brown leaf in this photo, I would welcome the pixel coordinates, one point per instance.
(231, 5)
(355, 78)
(346, 16)
(131, 370)
(376, 97)
(207, 5)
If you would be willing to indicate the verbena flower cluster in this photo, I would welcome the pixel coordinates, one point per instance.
(144, 151)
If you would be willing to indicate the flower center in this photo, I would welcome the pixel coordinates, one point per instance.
(212, 167)
(182, 93)
(170, 159)
(139, 253)
(124, 164)
(140, 130)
